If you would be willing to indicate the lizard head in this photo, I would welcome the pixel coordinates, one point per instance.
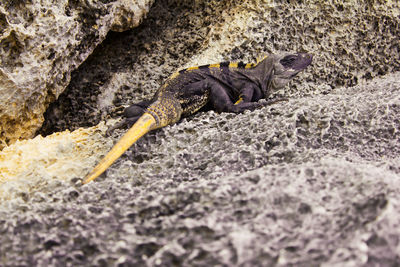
(286, 67)
(276, 71)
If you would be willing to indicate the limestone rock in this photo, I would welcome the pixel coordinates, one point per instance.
(41, 43)
(306, 183)
(29, 165)
(309, 182)
(352, 41)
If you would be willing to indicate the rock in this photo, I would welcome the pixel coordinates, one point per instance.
(351, 42)
(31, 164)
(283, 194)
(308, 182)
(41, 43)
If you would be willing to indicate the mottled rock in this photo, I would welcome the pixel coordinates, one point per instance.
(262, 188)
(41, 162)
(41, 43)
(308, 182)
(352, 41)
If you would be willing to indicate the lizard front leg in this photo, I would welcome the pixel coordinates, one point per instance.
(246, 95)
(221, 101)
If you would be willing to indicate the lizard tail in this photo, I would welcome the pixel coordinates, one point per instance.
(145, 124)
(165, 111)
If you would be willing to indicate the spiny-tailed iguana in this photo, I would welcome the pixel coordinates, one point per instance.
(223, 87)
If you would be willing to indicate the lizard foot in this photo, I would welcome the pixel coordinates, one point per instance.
(127, 122)
(264, 103)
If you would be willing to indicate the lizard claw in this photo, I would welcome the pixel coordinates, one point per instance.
(264, 103)
(126, 122)
(118, 125)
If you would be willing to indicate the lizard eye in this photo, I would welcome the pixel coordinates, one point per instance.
(288, 60)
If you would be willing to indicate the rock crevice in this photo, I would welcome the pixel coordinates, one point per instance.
(41, 43)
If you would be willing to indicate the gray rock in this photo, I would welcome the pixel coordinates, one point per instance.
(41, 43)
(352, 42)
(267, 187)
(309, 182)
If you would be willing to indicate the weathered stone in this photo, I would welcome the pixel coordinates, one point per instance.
(352, 41)
(263, 188)
(309, 182)
(30, 164)
(41, 42)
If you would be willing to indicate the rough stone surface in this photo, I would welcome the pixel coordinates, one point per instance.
(41, 43)
(310, 182)
(352, 41)
(31, 165)
(314, 181)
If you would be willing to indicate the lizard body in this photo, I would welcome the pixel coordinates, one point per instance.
(224, 87)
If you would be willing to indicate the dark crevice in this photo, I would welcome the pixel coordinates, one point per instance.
(151, 52)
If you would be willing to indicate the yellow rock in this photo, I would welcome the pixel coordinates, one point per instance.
(28, 164)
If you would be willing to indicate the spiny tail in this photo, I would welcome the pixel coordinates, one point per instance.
(145, 124)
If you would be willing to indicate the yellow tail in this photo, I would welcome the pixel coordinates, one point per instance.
(145, 124)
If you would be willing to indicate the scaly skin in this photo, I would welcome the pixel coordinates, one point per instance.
(224, 87)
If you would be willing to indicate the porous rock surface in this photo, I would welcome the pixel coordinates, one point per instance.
(352, 41)
(41, 43)
(314, 181)
(31, 164)
(308, 182)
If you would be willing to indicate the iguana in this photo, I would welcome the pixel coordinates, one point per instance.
(224, 87)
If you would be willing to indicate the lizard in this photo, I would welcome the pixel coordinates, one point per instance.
(224, 87)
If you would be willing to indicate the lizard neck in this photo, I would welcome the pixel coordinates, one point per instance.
(263, 72)
(261, 75)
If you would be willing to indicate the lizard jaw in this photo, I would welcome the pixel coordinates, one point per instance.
(145, 124)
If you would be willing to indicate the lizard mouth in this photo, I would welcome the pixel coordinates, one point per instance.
(287, 68)
(304, 61)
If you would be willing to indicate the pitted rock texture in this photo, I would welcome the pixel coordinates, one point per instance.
(352, 41)
(31, 165)
(41, 43)
(311, 182)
